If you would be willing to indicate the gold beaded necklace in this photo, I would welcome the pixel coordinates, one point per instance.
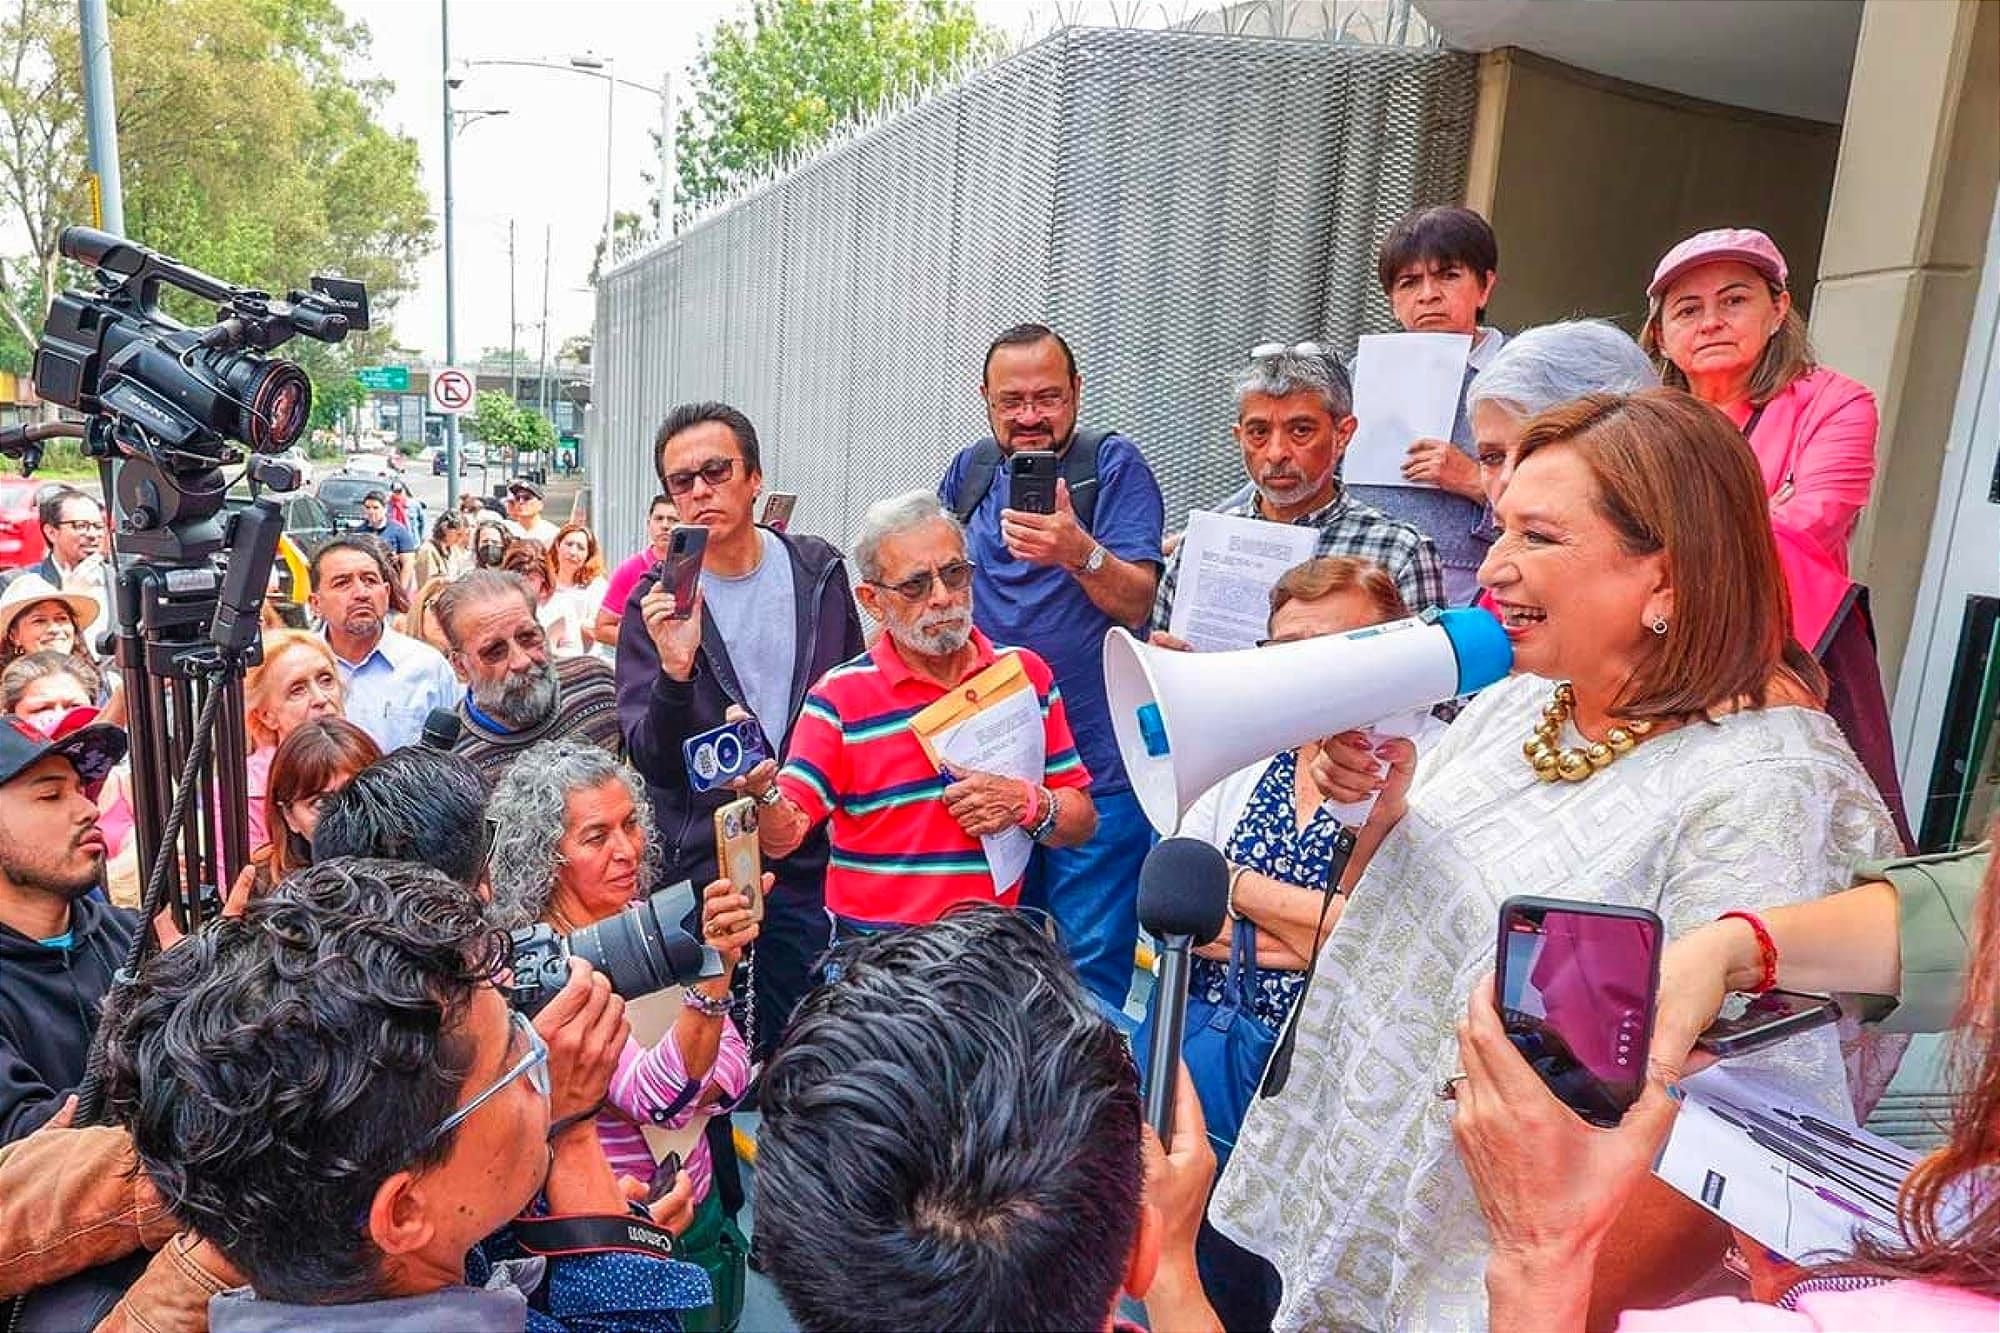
(1574, 763)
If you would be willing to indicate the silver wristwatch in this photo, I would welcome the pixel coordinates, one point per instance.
(1095, 560)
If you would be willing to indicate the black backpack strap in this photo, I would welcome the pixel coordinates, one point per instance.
(1079, 469)
(978, 479)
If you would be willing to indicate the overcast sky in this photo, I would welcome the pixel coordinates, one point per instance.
(542, 165)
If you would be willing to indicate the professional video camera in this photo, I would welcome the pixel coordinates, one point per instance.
(640, 950)
(174, 392)
(166, 408)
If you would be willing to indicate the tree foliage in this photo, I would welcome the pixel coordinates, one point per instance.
(786, 77)
(247, 151)
(504, 424)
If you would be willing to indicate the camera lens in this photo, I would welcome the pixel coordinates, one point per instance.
(274, 400)
(643, 949)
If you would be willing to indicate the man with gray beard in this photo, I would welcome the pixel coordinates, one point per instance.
(909, 839)
(1294, 417)
(516, 696)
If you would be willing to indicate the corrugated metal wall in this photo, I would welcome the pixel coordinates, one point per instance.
(1165, 199)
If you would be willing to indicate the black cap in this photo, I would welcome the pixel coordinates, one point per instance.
(523, 484)
(93, 750)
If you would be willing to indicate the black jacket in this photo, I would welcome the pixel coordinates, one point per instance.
(657, 714)
(49, 1005)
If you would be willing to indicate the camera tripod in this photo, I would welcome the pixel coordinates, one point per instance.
(186, 628)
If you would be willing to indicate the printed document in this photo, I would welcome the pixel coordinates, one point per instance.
(1406, 388)
(1786, 1172)
(991, 724)
(1228, 566)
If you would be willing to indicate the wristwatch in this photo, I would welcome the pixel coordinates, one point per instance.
(1095, 560)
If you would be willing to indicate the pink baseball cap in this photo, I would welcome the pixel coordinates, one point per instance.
(1746, 245)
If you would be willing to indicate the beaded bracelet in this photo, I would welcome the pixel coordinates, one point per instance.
(706, 1005)
(1767, 950)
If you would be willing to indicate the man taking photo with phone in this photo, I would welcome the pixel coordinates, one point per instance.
(772, 614)
(1054, 582)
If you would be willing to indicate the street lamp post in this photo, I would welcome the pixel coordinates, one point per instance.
(451, 452)
(601, 67)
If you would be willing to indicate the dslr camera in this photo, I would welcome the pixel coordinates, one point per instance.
(639, 950)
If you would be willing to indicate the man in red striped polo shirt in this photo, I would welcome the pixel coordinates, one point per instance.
(906, 838)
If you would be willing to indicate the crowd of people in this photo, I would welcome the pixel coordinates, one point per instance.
(333, 1108)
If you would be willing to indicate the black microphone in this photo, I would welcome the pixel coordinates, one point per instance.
(1183, 897)
(441, 729)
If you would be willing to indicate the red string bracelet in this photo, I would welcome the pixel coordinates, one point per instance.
(1767, 950)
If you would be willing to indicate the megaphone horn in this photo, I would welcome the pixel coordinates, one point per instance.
(1185, 721)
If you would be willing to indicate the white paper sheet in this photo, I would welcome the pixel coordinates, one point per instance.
(1406, 388)
(1005, 738)
(1222, 599)
(1780, 1169)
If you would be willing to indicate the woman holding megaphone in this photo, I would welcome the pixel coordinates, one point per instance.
(1660, 744)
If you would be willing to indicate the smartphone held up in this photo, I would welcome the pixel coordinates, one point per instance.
(679, 571)
(1576, 985)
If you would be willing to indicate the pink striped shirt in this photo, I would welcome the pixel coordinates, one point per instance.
(649, 1080)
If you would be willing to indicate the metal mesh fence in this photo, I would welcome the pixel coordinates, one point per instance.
(1165, 199)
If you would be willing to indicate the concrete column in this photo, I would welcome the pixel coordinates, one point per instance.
(1899, 269)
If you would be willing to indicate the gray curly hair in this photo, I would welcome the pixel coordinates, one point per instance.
(527, 815)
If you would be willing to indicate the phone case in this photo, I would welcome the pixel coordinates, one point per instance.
(1032, 485)
(680, 571)
(1727, 1038)
(738, 858)
(778, 506)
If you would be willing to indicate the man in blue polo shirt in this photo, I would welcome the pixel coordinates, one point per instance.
(1055, 583)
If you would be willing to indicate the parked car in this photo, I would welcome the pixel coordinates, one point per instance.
(21, 540)
(342, 493)
(308, 520)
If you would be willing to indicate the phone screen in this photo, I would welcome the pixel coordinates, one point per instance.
(1576, 991)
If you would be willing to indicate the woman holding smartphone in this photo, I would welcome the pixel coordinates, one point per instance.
(1551, 1186)
(1660, 745)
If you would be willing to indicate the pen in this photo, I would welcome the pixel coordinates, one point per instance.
(1791, 1153)
(1812, 1149)
(1845, 1205)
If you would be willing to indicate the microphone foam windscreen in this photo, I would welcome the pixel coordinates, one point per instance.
(1184, 889)
(441, 729)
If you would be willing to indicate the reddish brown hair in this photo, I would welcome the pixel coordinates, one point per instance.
(593, 563)
(312, 757)
(1948, 1210)
(1329, 574)
(1675, 478)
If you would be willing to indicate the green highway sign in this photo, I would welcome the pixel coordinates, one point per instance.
(384, 379)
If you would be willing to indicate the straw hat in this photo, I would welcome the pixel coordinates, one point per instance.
(31, 589)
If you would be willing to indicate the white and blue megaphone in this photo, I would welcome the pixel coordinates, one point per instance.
(1185, 721)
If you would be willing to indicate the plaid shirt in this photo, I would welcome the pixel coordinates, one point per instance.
(1346, 527)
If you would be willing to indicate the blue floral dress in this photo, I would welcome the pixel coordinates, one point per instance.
(1269, 840)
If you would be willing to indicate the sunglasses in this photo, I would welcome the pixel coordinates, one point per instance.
(955, 576)
(1264, 350)
(715, 471)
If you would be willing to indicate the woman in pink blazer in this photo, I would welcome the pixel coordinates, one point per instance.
(1720, 324)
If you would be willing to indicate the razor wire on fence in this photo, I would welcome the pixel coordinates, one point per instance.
(1164, 199)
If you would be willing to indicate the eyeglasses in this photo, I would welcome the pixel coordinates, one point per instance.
(1045, 400)
(535, 1064)
(714, 472)
(82, 524)
(1263, 350)
(955, 576)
